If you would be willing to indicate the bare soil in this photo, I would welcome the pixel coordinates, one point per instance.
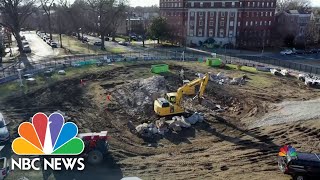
(222, 147)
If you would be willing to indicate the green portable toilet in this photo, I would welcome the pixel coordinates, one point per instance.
(159, 68)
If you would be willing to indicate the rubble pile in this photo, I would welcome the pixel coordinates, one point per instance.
(138, 95)
(160, 127)
(221, 79)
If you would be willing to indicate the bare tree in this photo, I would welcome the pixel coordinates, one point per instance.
(14, 14)
(302, 5)
(106, 11)
(47, 7)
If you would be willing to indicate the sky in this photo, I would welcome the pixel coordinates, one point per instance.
(313, 2)
(149, 2)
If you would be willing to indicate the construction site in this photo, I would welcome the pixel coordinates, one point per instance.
(214, 123)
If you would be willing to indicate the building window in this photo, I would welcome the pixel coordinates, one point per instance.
(265, 23)
(261, 14)
(239, 23)
(246, 23)
(251, 23)
(267, 4)
(223, 4)
(270, 14)
(191, 32)
(231, 23)
(192, 4)
(200, 13)
(180, 5)
(256, 23)
(175, 4)
(212, 4)
(210, 32)
(269, 23)
(272, 4)
(258, 4)
(232, 14)
(210, 23)
(240, 4)
(200, 32)
(222, 14)
(200, 22)
(248, 4)
(266, 13)
(233, 4)
(221, 23)
(211, 14)
(221, 33)
(260, 23)
(230, 34)
(262, 4)
(201, 4)
(253, 4)
(248, 14)
(191, 14)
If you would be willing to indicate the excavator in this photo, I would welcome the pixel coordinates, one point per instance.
(171, 103)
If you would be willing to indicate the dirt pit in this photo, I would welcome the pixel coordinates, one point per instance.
(221, 147)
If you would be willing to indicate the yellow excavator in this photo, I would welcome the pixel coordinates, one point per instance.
(171, 103)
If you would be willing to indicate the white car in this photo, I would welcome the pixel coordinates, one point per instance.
(4, 133)
(286, 52)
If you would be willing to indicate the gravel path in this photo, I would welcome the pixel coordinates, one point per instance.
(290, 111)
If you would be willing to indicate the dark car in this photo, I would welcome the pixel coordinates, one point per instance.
(107, 39)
(97, 43)
(301, 167)
(315, 51)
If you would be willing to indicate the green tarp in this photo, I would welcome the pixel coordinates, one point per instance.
(159, 68)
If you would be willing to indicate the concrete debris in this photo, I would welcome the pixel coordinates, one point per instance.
(196, 117)
(221, 79)
(309, 80)
(280, 72)
(138, 95)
(161, 126)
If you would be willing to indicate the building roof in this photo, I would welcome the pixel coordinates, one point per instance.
(293, 12)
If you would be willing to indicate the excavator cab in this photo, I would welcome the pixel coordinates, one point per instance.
(171, 103)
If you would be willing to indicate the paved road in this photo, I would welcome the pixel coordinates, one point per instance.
(40, 50)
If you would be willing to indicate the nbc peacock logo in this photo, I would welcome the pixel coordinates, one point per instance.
(48, 136)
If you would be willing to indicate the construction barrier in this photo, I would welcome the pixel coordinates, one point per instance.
(159, 68)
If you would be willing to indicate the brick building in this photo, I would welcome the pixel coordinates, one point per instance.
(245, 23)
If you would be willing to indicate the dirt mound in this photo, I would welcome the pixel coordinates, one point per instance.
(137, 96)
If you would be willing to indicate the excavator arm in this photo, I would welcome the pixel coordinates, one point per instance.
(200, 81)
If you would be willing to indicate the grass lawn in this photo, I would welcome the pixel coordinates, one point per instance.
(257, 78)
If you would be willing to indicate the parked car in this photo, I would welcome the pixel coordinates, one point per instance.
(315, 51)
(48, 41)
(26, 49)
(53, 44)
(286, 52)
(123, 43)
(62, 72)
(299, 51)
(24, 43)
(4, 133)
(97, 43)
(302, 166)
(107, 39)
(85, 39)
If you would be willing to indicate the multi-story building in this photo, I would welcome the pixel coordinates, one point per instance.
(295, 23)
(240, 22)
